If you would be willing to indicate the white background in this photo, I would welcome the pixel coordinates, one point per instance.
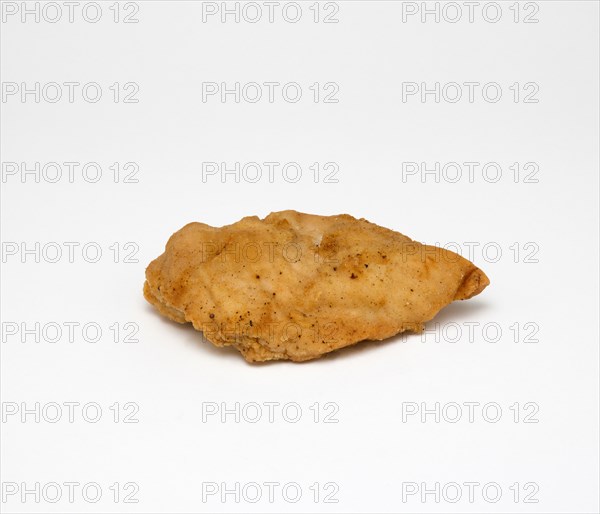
(370, 453)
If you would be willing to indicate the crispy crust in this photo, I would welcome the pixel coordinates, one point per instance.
(297, 286)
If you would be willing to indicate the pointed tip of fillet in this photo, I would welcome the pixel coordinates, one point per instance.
(472, 284)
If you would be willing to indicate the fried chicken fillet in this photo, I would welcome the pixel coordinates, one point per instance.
(297, 286)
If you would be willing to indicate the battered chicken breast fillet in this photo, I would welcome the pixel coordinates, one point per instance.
(297, 286)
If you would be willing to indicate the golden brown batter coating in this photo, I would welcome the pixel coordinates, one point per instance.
(296, 286)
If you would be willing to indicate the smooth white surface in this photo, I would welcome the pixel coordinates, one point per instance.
(370, 452)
